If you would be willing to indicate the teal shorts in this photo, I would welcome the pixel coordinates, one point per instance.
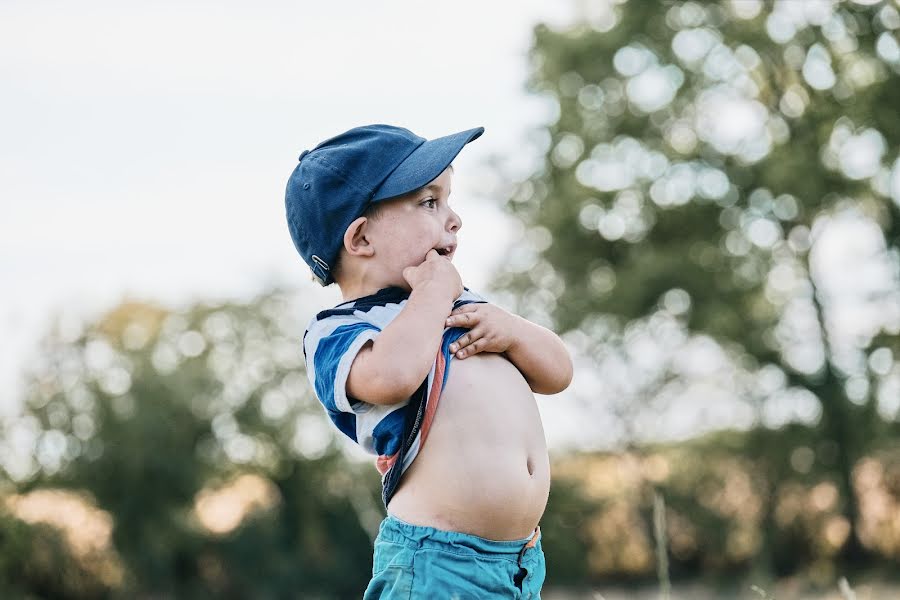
(413, 562)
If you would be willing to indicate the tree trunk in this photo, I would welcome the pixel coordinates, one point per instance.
(845, 425)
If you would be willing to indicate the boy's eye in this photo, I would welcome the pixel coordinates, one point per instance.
(430, 202)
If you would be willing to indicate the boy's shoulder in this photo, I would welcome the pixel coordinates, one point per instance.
(379, 308)
(389, 296)
(373, 312)
(334, 336)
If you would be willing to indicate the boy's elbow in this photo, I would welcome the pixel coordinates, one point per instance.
(554, 382)
(564, 381)
(548, 388)
(569, 373)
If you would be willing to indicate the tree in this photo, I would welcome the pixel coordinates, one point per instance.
(705, 162)
(197, 432)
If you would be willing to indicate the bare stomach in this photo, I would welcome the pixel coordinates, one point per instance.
(484, 468)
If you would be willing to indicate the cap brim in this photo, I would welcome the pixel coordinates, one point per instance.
(424, 164)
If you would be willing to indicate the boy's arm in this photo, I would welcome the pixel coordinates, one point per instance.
(391, 367)
(537, 352)
(540, 356)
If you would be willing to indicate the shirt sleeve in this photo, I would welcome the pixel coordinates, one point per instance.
(330, 345)
(468, 297)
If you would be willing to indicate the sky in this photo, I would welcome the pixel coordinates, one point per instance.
(144, 150)
(144, 147)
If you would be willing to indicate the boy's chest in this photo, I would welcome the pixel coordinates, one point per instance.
(485, 392)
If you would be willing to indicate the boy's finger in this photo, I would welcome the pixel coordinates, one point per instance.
(470, 307)
(464, 309)
(467, 319)
(473, 348)
(464, 340)
(459, 344)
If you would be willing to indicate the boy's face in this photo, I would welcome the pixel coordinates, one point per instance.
(410, 225)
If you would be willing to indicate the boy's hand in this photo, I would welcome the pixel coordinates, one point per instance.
(490, 327)
(435, 270)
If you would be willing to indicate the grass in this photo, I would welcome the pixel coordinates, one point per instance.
(662, 559)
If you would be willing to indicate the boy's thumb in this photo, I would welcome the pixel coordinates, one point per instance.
(407, 272)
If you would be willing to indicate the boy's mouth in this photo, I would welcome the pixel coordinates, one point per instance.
(446, 250)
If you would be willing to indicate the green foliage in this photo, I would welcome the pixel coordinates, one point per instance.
(563, 535)
(719, 513)
(699, 155)
(149, 411)
(36, 563)
(146, 449)
(651, 215)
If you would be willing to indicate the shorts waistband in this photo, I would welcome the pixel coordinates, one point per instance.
(396, 530)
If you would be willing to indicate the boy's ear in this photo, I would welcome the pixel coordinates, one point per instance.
(355, 241)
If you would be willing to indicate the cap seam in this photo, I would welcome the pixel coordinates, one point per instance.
(344, 176)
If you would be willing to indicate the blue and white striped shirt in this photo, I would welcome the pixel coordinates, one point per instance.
(394, 433)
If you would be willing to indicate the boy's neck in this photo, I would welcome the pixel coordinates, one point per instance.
(354, 290)
(359, 280)
(354, 293)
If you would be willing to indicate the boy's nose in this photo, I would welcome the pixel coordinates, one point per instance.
(455, 222)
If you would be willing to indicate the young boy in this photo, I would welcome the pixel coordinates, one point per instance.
(413, 356)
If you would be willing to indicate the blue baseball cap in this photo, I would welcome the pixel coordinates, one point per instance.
(335, 182)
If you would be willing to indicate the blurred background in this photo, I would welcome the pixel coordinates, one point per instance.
(702, 198)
